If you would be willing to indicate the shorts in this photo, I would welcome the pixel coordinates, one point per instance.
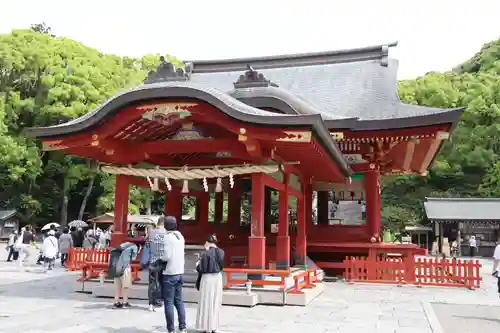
(124, 281)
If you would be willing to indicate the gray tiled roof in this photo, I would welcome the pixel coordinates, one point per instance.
(462, 209)
(364, 89)
(5, 214)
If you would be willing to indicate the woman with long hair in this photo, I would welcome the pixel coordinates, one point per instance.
(210, 284)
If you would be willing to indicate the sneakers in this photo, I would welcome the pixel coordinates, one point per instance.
(118, 305)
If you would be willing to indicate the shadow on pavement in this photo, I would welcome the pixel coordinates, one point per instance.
(480, 318)
(62, 286)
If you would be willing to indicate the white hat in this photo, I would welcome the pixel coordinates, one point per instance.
(51, 233)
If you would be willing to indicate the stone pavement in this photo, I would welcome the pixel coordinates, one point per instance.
(455, 318)
(32, 301)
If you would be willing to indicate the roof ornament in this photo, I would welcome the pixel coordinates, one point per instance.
(166, 71)
(251, 78)
(384, 61)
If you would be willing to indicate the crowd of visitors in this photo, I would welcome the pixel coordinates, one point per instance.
(162, 256)
(55, 243)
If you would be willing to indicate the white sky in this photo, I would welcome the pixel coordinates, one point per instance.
(432, 34)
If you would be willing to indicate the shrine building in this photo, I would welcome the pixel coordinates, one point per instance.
(315, 130)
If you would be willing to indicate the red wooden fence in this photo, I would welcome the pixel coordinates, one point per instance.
(420, 271)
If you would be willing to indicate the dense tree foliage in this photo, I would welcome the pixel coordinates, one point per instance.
(44, 81)
(47, 80)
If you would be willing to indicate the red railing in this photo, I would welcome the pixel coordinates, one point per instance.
(230, 282)
(76, 258)
(448, 272)
(422, 271)
(302, 280)
(94, 261)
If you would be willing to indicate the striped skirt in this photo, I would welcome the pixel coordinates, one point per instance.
(209, 305)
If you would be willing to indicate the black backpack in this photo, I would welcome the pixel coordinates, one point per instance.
(114, 256)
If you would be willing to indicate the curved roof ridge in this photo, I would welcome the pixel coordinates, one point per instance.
(295, 103)
(377, 52)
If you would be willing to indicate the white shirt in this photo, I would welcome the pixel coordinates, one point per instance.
(50, 247)
(472, 242)
(496, 256)
(174, 253)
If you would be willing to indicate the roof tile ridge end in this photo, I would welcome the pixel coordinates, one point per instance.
(377, 52)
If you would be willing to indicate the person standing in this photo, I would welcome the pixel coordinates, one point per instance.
(155, 244)
(27, 239)
(496, 266)
(210, 286)
(173, 275)
(120, 270)
(472, 245)
(89, 241)
(10, 246)
(65, 245)
(77, 236)
(50, 249)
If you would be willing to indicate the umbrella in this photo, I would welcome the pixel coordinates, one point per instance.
(78, 224)
(48, 225)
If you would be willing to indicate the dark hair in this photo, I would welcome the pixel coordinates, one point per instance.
(27, 227)
(169, 222)
(72, 229)
(52, 227)
(211, 239)
(65, 230)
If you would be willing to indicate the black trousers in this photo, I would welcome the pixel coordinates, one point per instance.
(64, 257)
(12, 253)
(498, 284)
(155, 286)
(472, 251)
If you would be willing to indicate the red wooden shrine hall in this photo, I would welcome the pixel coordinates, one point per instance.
(317, 130)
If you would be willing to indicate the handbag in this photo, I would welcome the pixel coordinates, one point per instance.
(145, 256)
(200, 274)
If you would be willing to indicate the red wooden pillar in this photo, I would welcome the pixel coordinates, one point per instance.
(372, 192)
(121, 211)
(283, 239)
(301, 241)
(257, 239)
(219, 207)
(173, 203)
(234, 204)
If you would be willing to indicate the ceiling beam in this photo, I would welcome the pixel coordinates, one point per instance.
(432, 151)
(162, 147)
(410, 150)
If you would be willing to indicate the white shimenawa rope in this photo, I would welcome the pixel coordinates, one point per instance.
(190, 173)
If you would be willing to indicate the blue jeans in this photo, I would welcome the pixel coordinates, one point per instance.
(172, 296)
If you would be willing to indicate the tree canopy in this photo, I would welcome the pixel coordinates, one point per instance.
(47, 80)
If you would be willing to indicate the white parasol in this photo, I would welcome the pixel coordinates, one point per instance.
(78, 224)
(48, 225)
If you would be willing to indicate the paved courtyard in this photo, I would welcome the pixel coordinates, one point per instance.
(33, 301)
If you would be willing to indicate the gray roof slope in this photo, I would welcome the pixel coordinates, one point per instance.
(5, 214)
(359, 83)
(462, 209)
